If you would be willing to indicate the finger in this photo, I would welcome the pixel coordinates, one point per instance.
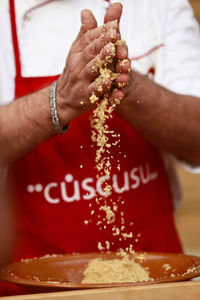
(88, 22)
(100, 88)
(95, 47)
(116, 96)
(122, 80)
(123, 66)
(91, 70)
(122, 51)
(93, 34)
(113, 12)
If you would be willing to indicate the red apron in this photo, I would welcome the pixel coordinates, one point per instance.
(54, 193)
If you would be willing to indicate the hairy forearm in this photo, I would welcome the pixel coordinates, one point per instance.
(24, 124)
(167, 120)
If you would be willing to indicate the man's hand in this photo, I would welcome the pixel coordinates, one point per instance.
(93, 44)
(76, 84)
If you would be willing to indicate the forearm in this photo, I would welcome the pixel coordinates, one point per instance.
(167, 120)
(24, 124)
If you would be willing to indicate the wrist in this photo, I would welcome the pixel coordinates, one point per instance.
(66, 112)
(139, 90)
(54, 111)
(134, 89)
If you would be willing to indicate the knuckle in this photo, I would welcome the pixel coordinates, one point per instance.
(70, 68)
(87, 56)
(93, 69)
(104, 52)
(85, 40)
(88, 37)
(111, 35)
(89, 52)
(93, 48)
(88, 91)
(88, 71)
(98, 45)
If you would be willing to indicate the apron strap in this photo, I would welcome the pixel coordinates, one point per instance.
(14, 38)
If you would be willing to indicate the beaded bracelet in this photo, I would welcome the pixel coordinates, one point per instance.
(54, 112)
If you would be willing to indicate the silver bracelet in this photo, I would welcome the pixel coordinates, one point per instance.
(54, 112)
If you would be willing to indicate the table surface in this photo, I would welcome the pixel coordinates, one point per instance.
(189, 290)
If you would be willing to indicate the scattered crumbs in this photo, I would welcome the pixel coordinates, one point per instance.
(115, 207)
(122, 84)
(107, 189)
(120, 42)
(99, 246)
(93, 98)
(124, 61)
(191, 270)
(100, 88)
(116, 231)
(166, 267)
(110, 215)
(127, 235)
(36, 278)
(107, 245)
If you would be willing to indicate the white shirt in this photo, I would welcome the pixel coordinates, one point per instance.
(45, 37)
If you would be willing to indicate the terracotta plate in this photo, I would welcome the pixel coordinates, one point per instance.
(63, 272)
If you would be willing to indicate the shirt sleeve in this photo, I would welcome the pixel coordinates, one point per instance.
(7, 64)
(179, 60)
